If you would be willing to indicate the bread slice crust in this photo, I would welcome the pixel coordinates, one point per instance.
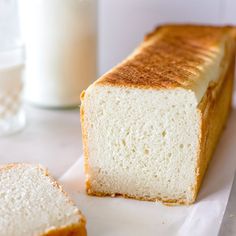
(78, 229)
(72, 230)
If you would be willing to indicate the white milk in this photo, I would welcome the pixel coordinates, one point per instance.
(60, 38)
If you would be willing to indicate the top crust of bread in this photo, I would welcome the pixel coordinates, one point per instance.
(172, 56)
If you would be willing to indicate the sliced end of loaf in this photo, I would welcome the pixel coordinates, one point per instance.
(137, 145)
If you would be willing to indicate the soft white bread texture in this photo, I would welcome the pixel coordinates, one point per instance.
(32, 203)
(151, 124)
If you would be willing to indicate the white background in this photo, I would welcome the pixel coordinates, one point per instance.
(123, 23)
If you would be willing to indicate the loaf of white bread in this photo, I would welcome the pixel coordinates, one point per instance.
(32, 203)
(150, 125)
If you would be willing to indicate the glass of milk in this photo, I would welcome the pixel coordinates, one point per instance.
(60, 39)
(12, 117)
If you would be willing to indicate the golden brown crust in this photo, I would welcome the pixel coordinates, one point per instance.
(214, 109)
(70, 230)
(84, 138)
(169, 57)
(78, 229)
(167, 202)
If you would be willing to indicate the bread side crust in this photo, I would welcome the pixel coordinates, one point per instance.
(214, 110)
(78, 229)
(70, 230)
(85, 141)
(167, 202)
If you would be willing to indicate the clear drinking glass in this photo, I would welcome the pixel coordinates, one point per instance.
(12, 117)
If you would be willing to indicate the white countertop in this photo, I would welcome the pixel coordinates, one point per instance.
(51, 138)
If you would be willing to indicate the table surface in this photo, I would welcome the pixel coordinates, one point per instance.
(51, 138)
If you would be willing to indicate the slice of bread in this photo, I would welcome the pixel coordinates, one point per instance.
(151, 124)
(33, 203)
